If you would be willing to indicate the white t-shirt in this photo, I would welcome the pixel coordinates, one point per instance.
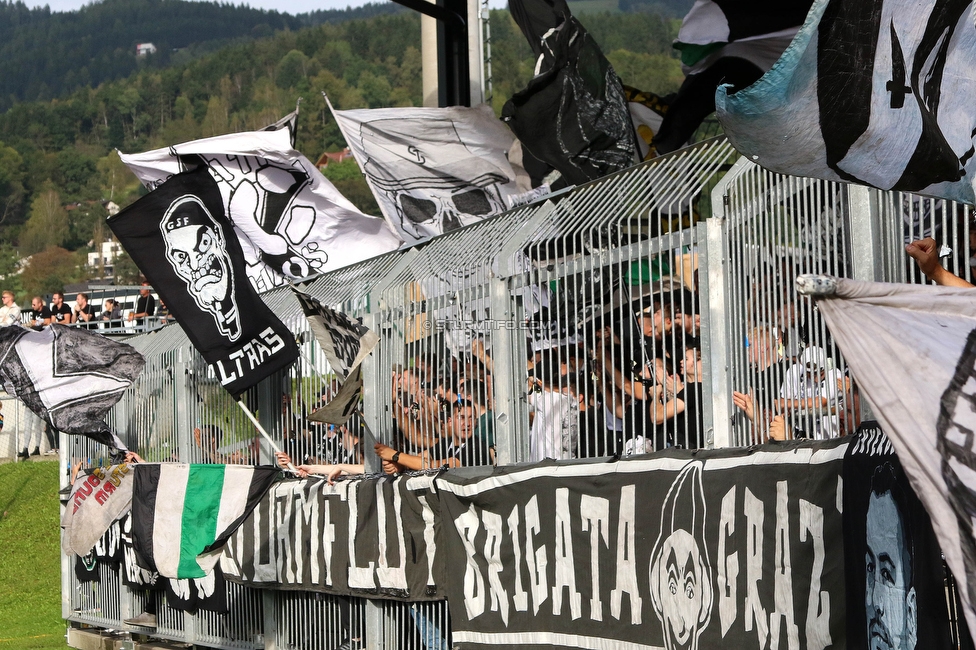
(555, 427)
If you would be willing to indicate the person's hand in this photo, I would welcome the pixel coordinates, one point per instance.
(301, 471)
(383, 451)
(133, 457)
(130, 316)
(925, 252)
(389, 467)
(333, 474)
(283, 459)
(778, 429)
(744, 403)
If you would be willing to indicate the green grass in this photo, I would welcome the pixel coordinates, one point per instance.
(30, 563)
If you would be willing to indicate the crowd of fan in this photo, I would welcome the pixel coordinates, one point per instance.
(83, 313)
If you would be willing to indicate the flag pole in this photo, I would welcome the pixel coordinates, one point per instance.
(264, 433)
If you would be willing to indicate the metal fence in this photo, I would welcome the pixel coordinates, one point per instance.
(612, 318)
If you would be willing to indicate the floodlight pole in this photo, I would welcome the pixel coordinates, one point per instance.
(453, 70)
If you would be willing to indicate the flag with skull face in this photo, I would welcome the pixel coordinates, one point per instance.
(180, 238)
(432, 170)
(290, 220)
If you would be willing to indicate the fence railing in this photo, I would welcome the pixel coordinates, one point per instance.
(618, 317)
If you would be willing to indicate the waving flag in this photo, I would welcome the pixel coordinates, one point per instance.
(68, 376)
(97, 499)
(180, 238)
(871, 91)
(183, 514)
(345, 342)
(290, 220)
(572, 115)
(432, 170)
(912, 350)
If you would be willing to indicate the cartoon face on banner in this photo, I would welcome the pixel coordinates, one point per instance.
(196, 250)
(434, 183)
(680, 574)
(264, 200)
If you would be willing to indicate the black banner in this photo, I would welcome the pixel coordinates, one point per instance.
(725, 548)
(368, 537)
(761, 547)
(180, 238)
(896, 596)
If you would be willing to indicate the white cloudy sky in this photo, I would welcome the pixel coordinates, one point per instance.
(291, 6)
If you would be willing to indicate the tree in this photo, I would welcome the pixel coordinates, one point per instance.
(49, 271)
(47, 225)
(125, 270)
(9, 278)
(11, 181)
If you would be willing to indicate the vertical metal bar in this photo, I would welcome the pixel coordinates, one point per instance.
(865, 215)
(505, 377)
(715, 329)
(269, 620)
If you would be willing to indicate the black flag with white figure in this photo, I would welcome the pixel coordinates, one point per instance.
(345, 341)
(69, 377)
(180, 238)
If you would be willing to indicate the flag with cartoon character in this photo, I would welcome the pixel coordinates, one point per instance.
(290, 220)
(432, 170)
(180, 238)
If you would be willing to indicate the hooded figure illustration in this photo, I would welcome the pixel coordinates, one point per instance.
(680, 574)
(196, 250)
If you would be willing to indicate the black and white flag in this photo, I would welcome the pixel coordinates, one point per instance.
(180, 238)
(572, 115)
(345, 342)
(432, 170)
(878, 92)
(912, 350)
(69, 377)
(290, 220)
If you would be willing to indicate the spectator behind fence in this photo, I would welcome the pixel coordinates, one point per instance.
(689, 420)
(112, 310)
(461, 448)
(554, 414)
(10, 312)
(84, 312)
(40, 315)
(145, 306)
(810, 391)
(925, 252)
(767, 370)
(60, 311)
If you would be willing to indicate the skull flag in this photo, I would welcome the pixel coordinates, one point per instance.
(432, 170)
(878, 92)
(290, 220)
(184, 244)
(69, 377)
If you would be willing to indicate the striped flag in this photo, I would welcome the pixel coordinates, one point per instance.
(194, 508)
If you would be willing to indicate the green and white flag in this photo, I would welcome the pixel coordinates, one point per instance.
(183, 514)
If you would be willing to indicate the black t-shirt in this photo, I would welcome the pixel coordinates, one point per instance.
(87, 309)
(42, 314)
(146, 305)
(472, 452)
(61, 314)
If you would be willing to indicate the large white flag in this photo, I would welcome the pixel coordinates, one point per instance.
(912, 350)
(432, 170)
(291, 221)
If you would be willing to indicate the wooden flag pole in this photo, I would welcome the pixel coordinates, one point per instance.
(264, 433)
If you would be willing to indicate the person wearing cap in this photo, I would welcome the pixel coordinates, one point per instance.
(810, 390)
